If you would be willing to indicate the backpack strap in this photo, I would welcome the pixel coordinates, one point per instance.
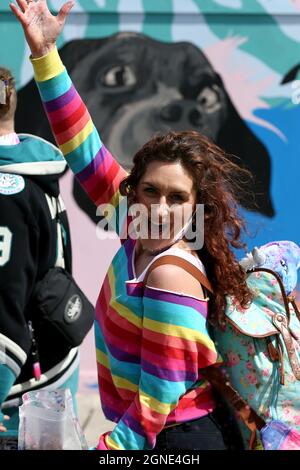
(282, 325)
(282, 289)
(184, 264)
(292, 300)
(221, 384)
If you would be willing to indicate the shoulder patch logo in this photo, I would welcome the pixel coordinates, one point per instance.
(11, 184)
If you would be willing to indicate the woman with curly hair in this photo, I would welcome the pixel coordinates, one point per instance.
(152, 313)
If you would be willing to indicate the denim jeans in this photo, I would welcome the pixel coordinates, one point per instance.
(215, 431)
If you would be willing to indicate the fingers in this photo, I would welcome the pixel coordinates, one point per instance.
(2, 427)
(64, 11)
(17, 12)
(22, 4)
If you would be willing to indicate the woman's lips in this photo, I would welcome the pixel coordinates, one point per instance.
(158, 228)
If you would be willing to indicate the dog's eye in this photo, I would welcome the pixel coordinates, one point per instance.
(118, 76)
(284, 265)
(209, 99)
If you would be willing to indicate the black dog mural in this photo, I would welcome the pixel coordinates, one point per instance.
(135, 86)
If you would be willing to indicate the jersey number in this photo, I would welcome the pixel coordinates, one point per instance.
(5, 245)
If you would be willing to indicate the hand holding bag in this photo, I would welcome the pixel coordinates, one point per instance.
(48, 422)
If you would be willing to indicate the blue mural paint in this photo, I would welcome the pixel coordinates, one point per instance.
(285, 176)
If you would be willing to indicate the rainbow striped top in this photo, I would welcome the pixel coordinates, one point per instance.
(150, 343)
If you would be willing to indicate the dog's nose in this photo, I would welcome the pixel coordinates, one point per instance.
(195, 117)
(183, 112)
(171, 113)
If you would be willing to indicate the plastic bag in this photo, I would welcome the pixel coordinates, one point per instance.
(48, 422)
(277, 435)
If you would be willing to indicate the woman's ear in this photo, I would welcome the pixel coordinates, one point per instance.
(132, 199)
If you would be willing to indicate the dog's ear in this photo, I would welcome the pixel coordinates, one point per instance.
(237, 139)
(30, 115)
(74, 51)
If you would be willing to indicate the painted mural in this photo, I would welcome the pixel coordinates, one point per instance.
(228, 68)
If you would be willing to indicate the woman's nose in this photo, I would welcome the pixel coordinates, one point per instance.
(161, 211)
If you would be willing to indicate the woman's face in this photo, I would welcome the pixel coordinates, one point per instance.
(167, 194)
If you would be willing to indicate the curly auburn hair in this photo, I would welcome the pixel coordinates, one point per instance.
(218, 180)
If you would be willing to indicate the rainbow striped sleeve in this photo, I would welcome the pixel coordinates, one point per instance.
(175, 345)
(93, 165)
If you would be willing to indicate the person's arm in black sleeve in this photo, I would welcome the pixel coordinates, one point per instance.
(18, 263)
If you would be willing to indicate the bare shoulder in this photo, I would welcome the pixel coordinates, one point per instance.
(176, 279)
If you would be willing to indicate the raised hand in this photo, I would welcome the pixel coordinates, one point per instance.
(41, 28)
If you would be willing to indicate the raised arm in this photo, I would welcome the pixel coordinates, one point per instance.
(96, 169)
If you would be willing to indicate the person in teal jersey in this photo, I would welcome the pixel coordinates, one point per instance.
(29, 171)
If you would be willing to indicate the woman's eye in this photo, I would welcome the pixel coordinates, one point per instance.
(177, 197)
(118, 76)
(209, 99)
(149, 190)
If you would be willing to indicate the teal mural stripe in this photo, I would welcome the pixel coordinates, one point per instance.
(109, 6)
(274, 102)
(247, 7)
(102, 25)
(90, 6)
(104, 21)
(11, 34)
(158, 6)
(158, 26)
(265, 39)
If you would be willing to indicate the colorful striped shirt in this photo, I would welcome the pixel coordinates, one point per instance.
(150, 343)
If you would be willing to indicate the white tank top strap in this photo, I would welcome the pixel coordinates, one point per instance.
(174, 251)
